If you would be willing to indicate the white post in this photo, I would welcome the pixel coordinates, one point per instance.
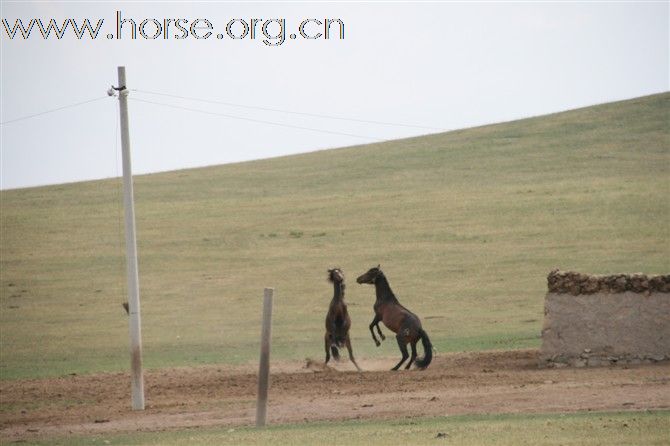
(137, 380)
(264, 367)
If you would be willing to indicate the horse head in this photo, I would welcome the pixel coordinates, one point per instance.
(335, 275)
(371, 275)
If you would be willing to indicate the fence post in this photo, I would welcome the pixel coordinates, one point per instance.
(264, 367)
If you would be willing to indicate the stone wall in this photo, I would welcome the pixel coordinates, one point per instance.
(596, 320)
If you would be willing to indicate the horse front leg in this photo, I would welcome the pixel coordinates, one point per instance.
(333, 337)
(379, 330)
(374, 322)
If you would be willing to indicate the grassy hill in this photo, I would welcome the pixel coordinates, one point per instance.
(465, 224)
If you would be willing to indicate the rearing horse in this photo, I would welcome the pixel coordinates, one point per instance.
(338, 321)
(398, 319)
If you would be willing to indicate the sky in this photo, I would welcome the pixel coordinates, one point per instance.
(400, 69)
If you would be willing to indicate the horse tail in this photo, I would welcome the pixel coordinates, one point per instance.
(335, 352)
(422, 363)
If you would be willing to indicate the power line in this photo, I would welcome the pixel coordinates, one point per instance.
(277, 110)
(233, 116)
(53, 110)
(255, 120)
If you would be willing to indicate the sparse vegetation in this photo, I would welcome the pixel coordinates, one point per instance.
(630, 428)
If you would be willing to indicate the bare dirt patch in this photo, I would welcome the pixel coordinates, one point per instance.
(460, 383)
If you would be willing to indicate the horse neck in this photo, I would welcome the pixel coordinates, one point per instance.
(383, 290)
(338, 291)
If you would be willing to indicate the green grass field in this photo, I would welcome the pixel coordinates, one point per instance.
(625, 429)
(466, 225)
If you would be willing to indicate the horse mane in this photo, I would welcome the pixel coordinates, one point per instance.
(388, 292)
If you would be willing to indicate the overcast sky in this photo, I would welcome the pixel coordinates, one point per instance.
(431, 65)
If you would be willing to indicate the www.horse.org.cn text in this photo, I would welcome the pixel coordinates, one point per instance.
(271, 32)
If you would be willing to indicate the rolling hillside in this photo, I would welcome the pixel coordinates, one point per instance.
(466, 225)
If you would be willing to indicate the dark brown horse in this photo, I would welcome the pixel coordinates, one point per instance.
(338, 321)
(398, 319)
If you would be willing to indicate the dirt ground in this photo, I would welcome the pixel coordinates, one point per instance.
(460, 383)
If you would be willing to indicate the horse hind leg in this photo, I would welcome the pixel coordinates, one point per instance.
(413, 357)
(351, 353)
(403, 349)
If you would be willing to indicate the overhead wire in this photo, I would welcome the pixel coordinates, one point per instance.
(54, 110)
(279, 124)
(252, 107)
(292, 112)
(230, 116)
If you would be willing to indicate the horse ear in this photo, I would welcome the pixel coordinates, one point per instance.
(379, 266)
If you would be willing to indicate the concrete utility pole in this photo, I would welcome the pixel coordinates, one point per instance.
(137, 379)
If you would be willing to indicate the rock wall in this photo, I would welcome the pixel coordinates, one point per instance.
(596, 320)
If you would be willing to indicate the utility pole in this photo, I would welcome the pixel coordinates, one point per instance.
(137, 380)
